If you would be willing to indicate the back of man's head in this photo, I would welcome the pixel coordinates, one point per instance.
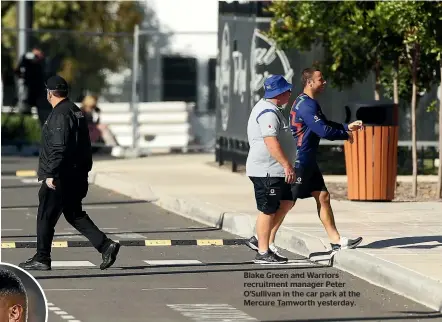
(13, 298)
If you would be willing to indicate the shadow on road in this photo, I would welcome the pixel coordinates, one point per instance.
(178, 230)
(27, 186)
(174, 272)
(406, 242)
(125, 202)
(416, 317)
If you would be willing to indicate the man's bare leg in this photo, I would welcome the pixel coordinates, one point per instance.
(325, 213)
(263, 228)
(284, 207)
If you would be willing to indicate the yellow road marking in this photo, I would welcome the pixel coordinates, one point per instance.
(8, 245)
(26, 173)
(60, 244)
(158, 242)
(206, 242)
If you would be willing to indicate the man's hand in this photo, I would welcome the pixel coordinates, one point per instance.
(50, 183)
(356, 125)
(350, 137)
(289, 173)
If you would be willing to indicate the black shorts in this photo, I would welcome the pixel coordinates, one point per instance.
(269, 191)
(308, 179)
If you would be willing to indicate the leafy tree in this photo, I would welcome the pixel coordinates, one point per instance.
(433, 45)
(412, 20)
(353, 41)
(391, 38)
(81, 57)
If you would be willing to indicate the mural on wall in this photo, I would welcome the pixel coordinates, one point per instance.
(264, 54)
(246, 57)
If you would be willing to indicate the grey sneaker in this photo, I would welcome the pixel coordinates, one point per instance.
(267, 258)
(278, 255)
(252, 243)
(346, 243)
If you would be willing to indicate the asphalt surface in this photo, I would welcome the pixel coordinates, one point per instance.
(187, 283)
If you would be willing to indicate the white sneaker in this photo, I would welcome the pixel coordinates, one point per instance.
(275, 251)
(345, 243)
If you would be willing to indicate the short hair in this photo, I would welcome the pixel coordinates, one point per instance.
(307, 74)
(60, 94)
(11, 285)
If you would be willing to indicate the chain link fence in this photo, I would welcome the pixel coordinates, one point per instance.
(143, 66)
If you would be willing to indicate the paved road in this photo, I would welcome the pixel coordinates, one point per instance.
(182, 283)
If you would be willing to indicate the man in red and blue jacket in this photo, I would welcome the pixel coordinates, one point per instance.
(308, 125)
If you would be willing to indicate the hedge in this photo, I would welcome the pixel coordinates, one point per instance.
(30, 132)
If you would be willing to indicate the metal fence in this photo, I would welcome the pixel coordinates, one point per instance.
(143, 66)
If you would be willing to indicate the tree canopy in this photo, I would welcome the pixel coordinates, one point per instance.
(82, 58)
(358, 38)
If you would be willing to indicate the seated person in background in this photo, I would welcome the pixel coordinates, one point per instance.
(97, 130)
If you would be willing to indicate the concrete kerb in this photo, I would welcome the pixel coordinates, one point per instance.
(379, 272)
(403, 281)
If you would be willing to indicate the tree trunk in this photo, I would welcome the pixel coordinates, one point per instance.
(395, 84)
(413, 120)
(377, 89)
(439, 173)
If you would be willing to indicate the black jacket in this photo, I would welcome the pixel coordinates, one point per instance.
(66, 146)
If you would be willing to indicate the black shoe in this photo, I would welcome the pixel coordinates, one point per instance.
(110, 255)
(252, 243)
(346, 243)
(32, 264)
(267, 258)
(278, 256)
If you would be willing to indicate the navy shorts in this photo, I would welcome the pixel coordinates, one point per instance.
(308, 180)
(269, 191)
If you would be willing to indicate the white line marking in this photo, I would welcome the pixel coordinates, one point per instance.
(61, 313)
(174, 288)
(291, 263)
(64, 315)
(211, 312)
(100, 207)
(173, 262)
(14, 209)
(29, 181)
(68, 289)
(12, 229)
(100, 228)
(130, 236)
(72, 264)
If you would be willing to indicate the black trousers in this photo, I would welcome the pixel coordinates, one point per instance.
(66, 199)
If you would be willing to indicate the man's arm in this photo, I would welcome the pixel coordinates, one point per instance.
(340, 126)
(320, 126)
(61, 128)
(269, 124)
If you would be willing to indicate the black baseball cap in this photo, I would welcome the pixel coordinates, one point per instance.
(57, 83)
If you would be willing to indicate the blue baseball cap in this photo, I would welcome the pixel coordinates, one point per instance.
(275, 85)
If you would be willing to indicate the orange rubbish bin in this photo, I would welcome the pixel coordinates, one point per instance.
(371, 161)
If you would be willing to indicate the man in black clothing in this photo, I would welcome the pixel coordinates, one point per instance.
(32, 71)
(64, 163)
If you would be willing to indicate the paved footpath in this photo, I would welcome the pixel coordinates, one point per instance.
(402, 247)
(188, 282)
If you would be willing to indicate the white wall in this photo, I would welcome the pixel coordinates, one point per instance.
(189, 15)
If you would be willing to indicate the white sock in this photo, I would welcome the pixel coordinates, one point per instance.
(262, 253)
(256, 236)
